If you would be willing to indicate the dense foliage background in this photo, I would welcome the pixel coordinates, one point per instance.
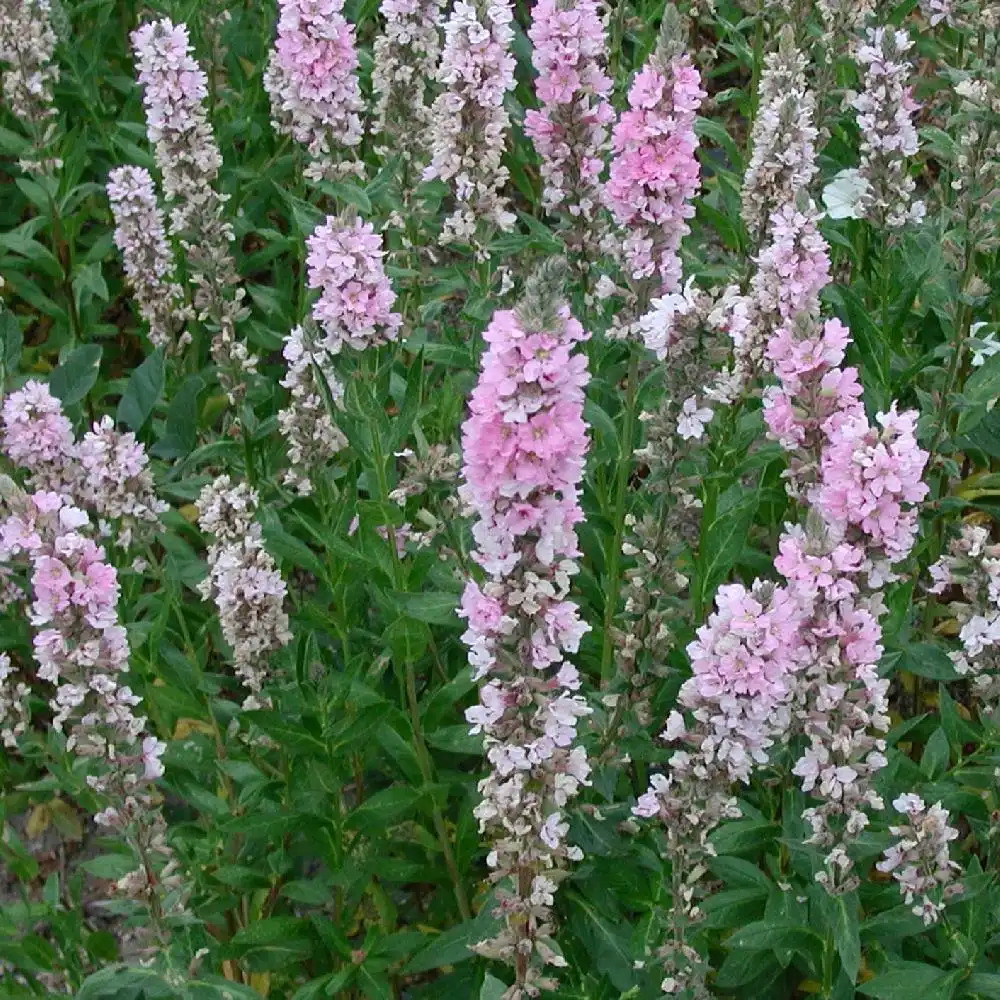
(322, 835)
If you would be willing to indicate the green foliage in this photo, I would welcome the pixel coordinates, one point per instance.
(326, 832)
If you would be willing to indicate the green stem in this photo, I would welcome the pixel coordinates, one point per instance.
(424, 759)
(613, 553)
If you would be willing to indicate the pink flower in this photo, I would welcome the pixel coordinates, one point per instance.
(469, 123)
(749, 646)
(524, 443)
(36, 435)
(654, 172)
(140, 235)
(570, 130)
(355, 304)
(312, 81)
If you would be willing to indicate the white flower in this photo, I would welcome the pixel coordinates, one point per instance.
(982, 347)
(152, 751)
(656, 327)
(843, 195)
(691, 423)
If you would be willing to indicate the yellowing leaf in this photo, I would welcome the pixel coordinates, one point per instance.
(261, 982)
(185, 727)
(66, 819)
(38, 821)
(189, 512)
(950, 627)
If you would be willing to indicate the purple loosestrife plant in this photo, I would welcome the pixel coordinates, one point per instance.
(405, 57)
(857, 482)
(469, 122)
(524, 445)
(654, 171)
(570, 129)
(734, 707)
(306, 423)
(243, 583)
(140, 235)
(27, 46)
(885, 110)
(187, 155)
(106, 471)
(920, 860)
(792, 268)
(81, 648)
(972, 565)
(312, 80)
(783, 140)
(354, 308)
(15, 714)
(355, 297)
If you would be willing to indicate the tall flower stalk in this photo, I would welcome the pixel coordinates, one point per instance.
(524, 445)
(187, 155)
(354, 309)
(27, 46)
(858, 483)
(570, 129)
(654, 172)
(469, 123)
(782, 141)
(312, 80)
(243, 583)
(82, 650)
(885, 110)
(405, 57)
(140, 235)
(105, 471)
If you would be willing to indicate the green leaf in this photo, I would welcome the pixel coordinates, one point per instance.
(709, 128)
(272, 943)
(913, 979)
(452, 946)
(744, 835)
(456, 739)
(927, 660)
(742, 967)
(958, 729)
(608, 943)
(218, 988)
(109, 866)
(76, 374)
(865, 333)
(287, 733)
(142, 392)
(776, 934)
(983, 385)
(434, 608)
(11, 341)
(493, 988)
(841, 916)
(181, 428)
(374, 983)
(384, 808)
(349, 193)
(737, 872)
(983, 984)
(125, 982)
(287, 547)
(89, 284)
(723, 539)
(936, 755)
(732, 908)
